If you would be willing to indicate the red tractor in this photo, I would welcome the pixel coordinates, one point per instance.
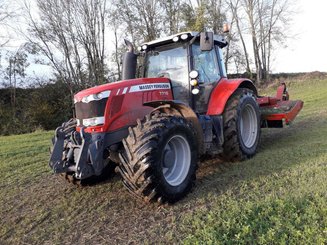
(155, 127)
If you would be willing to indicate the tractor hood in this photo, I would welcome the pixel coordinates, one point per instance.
(112, 106)
(121, 87)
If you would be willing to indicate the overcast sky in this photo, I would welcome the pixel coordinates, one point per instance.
(304, 53)
(307, 52)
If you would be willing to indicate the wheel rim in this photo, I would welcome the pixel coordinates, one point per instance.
(249, 126)
(176, 160)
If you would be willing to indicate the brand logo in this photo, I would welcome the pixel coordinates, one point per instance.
(149, 86)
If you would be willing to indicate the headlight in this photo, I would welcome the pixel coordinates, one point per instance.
(98, 96)
(93, 121)
(195, 90)
(184, 36)
(103, 94)
(175, 39)
(194, 82)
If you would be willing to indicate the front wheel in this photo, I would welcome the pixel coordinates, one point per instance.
(160, 158)
(241, 126)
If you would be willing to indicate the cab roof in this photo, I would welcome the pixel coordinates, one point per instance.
(218, 39)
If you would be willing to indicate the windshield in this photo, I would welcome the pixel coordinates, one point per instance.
(168, 61)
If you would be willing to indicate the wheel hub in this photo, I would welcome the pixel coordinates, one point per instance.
(176, 160)
(169, 158)
(249, 126)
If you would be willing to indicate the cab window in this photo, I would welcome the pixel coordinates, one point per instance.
(221, 61)
(168, 61)
(205, 62)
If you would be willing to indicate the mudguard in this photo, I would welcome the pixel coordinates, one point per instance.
(179, 108)
(224, 89)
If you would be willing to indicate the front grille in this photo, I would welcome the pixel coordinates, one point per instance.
(92, 109)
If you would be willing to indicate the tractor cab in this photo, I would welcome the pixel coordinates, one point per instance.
(192, 61)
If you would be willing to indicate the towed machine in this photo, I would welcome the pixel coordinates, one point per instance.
(153, 128)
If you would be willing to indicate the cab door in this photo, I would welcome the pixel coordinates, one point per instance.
(171, 61)
(206, 64)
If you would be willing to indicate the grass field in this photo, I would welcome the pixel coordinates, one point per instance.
(277, 197)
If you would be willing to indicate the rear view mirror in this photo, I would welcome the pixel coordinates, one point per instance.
(206, 41)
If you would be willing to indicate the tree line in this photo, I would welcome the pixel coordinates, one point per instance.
(81, 40)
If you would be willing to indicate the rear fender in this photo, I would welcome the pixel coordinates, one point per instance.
(178, 108)
(224, 89)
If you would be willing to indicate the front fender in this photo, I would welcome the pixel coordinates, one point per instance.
(176, 107)
(224, 89)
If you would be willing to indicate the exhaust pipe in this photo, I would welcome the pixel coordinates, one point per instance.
(129, 62)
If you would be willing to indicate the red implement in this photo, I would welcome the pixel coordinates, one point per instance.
(279, 109)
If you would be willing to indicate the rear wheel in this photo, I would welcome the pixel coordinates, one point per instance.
(160, 158)
(241, 126)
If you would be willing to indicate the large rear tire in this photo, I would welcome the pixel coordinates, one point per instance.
(160, 158)
(241, 126)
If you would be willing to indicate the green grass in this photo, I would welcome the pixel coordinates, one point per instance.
(277, 197)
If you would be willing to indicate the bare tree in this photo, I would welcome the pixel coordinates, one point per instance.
(238, 59)
(232, 46)
(172, 15)
(71, 34)
(6, 14)
(142, 19)
(90, 23)
(15, 71)
(116, 27)
(194, 15)
(216, 15)
(234, 7)
(123, 14)
(150, 16)
(267, 21)
(250, 9)
(273, 30)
